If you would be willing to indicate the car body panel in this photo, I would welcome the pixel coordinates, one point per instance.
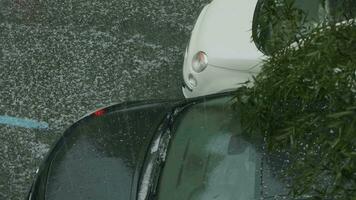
(223, 32)
(106, 154)
(100, 157)
(210, 84)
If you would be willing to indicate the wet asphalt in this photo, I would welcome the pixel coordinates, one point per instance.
(59, 60)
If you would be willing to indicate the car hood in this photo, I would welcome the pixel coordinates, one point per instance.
(224, 33)
(100, 156)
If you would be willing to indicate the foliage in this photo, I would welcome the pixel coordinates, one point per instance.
(304, 99)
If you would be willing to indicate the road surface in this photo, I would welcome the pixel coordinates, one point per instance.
(60, 60)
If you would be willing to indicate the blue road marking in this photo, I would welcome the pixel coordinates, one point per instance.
(25, 123)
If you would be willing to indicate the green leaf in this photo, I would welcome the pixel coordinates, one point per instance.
(352, 154)
(341, 114)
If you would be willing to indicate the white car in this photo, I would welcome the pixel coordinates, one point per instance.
(221, 54)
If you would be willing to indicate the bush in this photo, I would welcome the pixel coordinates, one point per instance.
(304, 100)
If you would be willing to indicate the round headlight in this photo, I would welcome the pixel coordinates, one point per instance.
(200, 61)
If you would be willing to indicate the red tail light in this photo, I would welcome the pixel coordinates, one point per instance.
(99, 113)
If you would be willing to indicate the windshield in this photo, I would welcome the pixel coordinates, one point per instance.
(277, 23)
(209, 158)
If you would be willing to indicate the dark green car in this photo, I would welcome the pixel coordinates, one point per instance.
(166, 150)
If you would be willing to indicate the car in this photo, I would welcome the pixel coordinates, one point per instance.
(272, 31)
(231, 38)
(167, 150)
(221, 54)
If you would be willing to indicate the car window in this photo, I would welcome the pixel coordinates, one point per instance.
(209, 158)
(278, 23)
(340, 10)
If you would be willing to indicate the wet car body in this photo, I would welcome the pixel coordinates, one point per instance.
(222, 33)
(155, 150)
(221, 55)
(101, 137)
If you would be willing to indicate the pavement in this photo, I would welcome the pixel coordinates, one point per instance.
(60, 60)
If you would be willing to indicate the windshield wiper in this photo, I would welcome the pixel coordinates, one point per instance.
(157, 156)
(159, 161)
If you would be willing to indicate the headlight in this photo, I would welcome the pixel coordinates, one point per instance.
(200, 61)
